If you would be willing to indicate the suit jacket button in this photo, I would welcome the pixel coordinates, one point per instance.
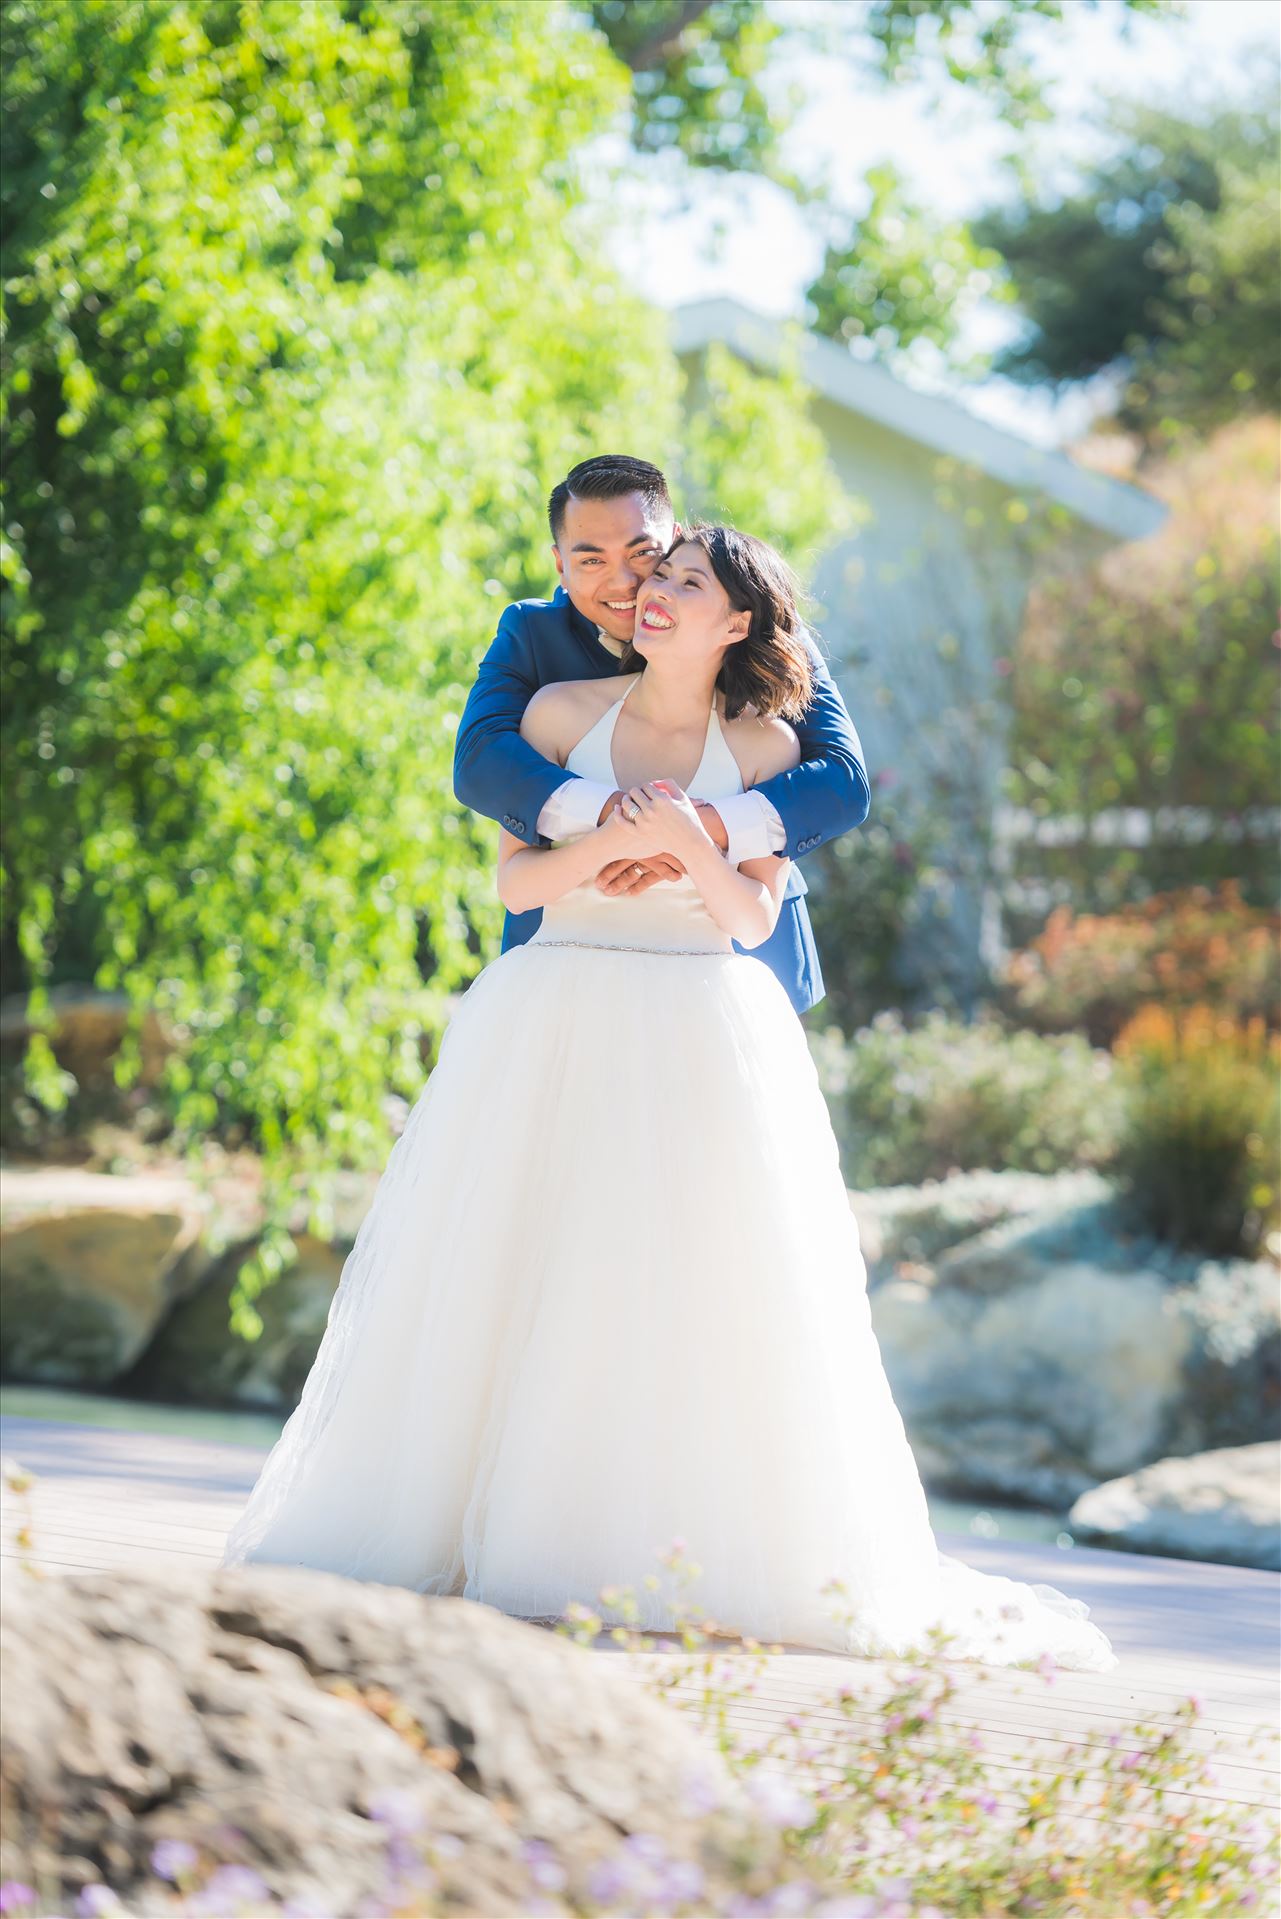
(519, 825)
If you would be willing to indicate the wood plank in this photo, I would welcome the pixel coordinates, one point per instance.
(109, 1499)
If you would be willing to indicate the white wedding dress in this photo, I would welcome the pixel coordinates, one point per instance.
(609, 1294)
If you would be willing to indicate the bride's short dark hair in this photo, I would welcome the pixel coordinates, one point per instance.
(770, 668)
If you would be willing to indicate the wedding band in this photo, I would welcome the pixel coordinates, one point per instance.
(635, 812)
(638, 869)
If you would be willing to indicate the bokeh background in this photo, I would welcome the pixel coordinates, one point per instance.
(973, 309)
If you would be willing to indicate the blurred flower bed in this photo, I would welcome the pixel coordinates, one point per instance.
(1196, 946)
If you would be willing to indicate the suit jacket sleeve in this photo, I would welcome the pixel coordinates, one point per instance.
(496, 772)
(829, 792)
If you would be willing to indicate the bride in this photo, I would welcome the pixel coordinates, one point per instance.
(610, 1290)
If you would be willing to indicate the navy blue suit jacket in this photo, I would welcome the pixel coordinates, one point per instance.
(499, 774)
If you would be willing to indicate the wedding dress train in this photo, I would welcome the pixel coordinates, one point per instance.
(610, 1293)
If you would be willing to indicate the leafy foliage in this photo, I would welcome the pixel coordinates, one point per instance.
(710, 83)
(286, 387)
(1092, 972)
(975, 44)
(1201, 1145)
(902, 275)
(911, 1103)
(865, 899)
(1151, 683)
(1163, 263)
(698, 79)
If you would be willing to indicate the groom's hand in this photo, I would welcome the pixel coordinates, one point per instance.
(637, 876)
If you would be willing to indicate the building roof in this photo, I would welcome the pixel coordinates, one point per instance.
(930, 419)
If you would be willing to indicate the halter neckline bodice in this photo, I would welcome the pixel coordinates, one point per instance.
(671, 916)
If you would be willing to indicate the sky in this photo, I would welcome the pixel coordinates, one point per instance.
(745, 239)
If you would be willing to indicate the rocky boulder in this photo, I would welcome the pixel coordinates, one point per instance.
(314, 1730)
(196, 1358)
(1223, 1505)
(90, 1264)
(1054, 1350)
(88, 1025)
(910, 1224)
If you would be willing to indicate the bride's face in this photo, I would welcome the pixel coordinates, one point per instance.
(683, 609)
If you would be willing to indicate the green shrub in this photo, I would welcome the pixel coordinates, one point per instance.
(1200, 1145)
(915, 1103)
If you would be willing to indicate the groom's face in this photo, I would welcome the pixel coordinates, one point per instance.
(605, 550)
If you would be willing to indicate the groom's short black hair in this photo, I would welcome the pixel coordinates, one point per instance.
(607, 476)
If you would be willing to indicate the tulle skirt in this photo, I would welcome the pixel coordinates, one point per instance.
(610, 1295)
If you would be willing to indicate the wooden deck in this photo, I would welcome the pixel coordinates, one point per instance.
(110, 1499)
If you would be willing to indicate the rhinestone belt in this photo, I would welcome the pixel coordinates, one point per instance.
(663, 952)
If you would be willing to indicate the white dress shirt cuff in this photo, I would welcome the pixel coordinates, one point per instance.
(754, 827)
(573, 808)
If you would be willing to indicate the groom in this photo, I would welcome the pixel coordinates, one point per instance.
(611, 522)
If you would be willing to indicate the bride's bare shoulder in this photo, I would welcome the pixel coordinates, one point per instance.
(761, 747)
(561, 712)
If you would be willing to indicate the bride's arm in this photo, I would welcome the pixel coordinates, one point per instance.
(530, 876)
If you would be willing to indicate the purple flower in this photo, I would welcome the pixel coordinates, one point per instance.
(780, 1802)
(683, 1882)
(221, 1894)
(94, 1900)
(397, 1808)
(795, 1896)
(544, 1867)
(407, 1864)
(172, 1857)
(702, 1793)
(14, 1895)
(646, 1847)
(607, 1880)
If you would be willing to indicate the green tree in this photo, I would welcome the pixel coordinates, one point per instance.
(303, 312)
(1163, 264)
(709, 79)
(903, 275)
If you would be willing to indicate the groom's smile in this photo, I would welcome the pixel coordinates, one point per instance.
(606, 550)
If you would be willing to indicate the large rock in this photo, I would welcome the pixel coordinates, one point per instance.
(196, 1358)
(899, 1224)
(1053, 1351)
(1223, 1505)
(266, 1714)
(88, 1026)
(89, 1266)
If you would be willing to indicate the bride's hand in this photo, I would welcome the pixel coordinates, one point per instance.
(663, 815)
